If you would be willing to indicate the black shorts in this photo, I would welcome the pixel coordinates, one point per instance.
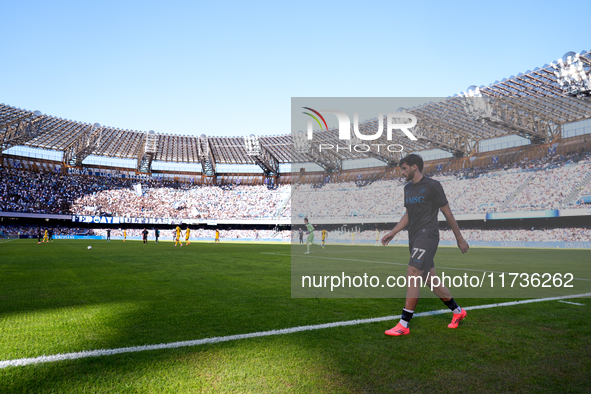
(422, 253)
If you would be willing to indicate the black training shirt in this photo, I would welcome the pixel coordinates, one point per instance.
(422, 201)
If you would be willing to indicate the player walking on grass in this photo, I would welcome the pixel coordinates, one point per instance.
(145, 236)
(178, 236)
(217, 236)
(124, 235)
(423, 198)
(187, 235)
(310, 239)
(324, 234)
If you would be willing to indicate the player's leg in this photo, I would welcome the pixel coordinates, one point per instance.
(414, 277)
(309, 242)
(419, 266)
(444, 294)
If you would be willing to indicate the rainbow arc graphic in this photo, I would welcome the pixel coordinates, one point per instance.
(315, 118)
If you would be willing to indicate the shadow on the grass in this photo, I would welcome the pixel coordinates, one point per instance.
(189, 298)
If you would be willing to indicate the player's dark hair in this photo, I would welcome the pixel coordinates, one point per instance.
(305, 219)
(411, 160)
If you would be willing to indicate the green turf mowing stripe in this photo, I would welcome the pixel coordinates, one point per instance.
(134, 349)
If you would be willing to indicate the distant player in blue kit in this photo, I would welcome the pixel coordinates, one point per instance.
(423, 198)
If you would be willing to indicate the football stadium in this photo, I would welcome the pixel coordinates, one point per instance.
(378, 244)
(88, 307)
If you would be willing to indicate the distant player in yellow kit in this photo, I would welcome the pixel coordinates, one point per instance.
(324, 233)
(187, 235)
(45, 237)
(124, 235)
(217, 236)
(178, 236)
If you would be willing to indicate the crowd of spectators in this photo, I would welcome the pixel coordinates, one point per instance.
(210, 202)
(25, 191)
(200, 233)
(164, 234)
(527, 185)
(32, 230)
(541, 234)
(544, 183)
(570, 234)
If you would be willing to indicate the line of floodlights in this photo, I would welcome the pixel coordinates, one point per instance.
(572, 74)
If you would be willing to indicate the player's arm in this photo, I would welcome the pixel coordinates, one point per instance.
(462, 244)
(399, 227)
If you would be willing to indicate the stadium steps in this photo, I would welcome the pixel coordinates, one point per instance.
(574, 194)
(294, 187)
(285, 201)
(514, 195)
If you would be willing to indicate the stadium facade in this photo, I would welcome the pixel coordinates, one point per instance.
(541, 116)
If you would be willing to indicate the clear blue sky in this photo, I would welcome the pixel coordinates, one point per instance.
(231, 68)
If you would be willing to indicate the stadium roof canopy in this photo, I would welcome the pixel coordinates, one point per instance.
(534, 105)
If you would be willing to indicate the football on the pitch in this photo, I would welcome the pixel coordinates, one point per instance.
(89, 247)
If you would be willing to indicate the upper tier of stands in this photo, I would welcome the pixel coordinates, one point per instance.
(550, 182)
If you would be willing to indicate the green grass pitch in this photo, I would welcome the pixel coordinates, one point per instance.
(61, 298)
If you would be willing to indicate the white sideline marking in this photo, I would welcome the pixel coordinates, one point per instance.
(133, 349)
(572, 303)
(390, 263)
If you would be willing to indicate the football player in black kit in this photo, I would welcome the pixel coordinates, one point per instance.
(423, 198)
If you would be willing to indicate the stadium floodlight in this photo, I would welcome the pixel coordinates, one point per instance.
(475, 105)
(573, 75)
(300, 142)
(252, 145)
